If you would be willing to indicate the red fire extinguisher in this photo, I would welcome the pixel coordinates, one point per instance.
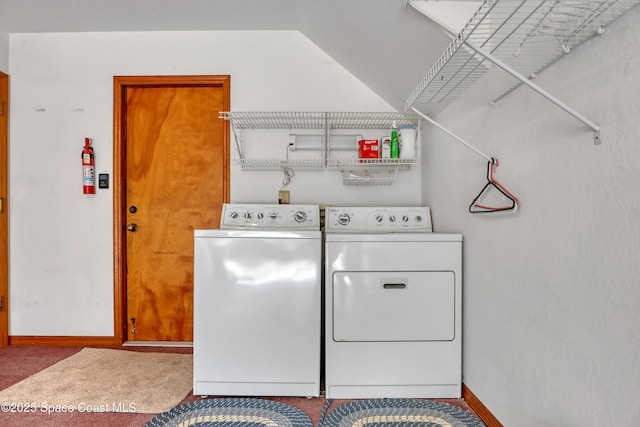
(88, 173)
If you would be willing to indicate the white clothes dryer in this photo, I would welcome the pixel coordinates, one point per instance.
(393, 302)
(257, 299)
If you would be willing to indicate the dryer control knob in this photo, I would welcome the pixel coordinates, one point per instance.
(405, 218)
(300, 216)
(344, 219)
(234, 215)
(260, 215)
(247, 215)
(379, 218)
(392, 218)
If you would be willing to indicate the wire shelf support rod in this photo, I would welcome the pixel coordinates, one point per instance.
(451, 134)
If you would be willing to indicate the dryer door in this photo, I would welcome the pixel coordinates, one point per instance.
(394, 306)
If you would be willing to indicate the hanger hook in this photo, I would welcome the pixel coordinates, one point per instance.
(493, 163)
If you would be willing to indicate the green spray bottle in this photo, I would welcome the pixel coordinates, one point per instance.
(395, 143)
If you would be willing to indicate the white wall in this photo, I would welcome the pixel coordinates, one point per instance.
(4, 39)
(61, 245)
(551, 293)
(4, 52)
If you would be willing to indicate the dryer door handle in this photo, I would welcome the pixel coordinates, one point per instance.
(394, 285)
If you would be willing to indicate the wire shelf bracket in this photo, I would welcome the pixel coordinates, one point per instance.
(451, 134)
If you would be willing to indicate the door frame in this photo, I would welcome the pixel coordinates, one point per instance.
(4, 215)
(120, 85)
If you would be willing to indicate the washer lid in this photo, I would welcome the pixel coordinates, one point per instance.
(257, 234)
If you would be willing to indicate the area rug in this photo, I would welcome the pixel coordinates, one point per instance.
(228, 412)
(399, 413)
(107, 380)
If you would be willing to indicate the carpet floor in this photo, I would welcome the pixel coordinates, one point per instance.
(19, 362)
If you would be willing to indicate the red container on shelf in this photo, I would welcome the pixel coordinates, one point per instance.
(368, 149)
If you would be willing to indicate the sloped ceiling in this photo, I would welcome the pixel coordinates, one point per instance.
(386, 45)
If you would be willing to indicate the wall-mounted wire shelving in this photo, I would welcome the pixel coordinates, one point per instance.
(355, 171)
(504, 45)
(507, 43)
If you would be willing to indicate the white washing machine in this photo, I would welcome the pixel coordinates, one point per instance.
(393, 301)
(257, 298)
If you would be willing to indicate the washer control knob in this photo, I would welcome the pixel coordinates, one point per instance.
(300, 216)
(273, 215)
(260, 215)
(405, 218)
(234, 215)
(344, 219)
(379, 218)
(247, 215)
(419, 218)
(392, 218)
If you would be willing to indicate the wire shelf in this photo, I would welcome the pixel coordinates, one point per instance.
(318, 120)
(365, 120)
(369, 176)
(275, 120)
(280, 165)
(527, 35)
(348, 165)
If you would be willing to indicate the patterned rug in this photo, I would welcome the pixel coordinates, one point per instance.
(399, 413)
(232, 412)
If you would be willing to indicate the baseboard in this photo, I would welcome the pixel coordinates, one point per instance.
(64, 341)
(185, 344)
(478, 407)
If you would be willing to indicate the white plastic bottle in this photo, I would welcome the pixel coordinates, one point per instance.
(407, 142)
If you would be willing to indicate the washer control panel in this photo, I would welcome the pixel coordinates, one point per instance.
(278, 217)
(378, 220)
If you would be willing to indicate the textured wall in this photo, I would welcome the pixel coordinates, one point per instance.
(551, 293)
(61, 242)
(4, 52)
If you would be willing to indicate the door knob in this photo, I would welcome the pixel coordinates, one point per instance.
(132, 227)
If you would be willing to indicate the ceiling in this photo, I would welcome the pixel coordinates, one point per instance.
(387, 46)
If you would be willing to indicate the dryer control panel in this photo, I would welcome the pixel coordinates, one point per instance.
(378, 220)
(273, 217)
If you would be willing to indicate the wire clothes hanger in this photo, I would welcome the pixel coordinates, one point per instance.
(478, 206)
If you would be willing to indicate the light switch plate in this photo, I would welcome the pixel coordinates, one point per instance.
(103, 180)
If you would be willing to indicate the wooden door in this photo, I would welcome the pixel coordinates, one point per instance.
(176, 178)
(4, 223)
